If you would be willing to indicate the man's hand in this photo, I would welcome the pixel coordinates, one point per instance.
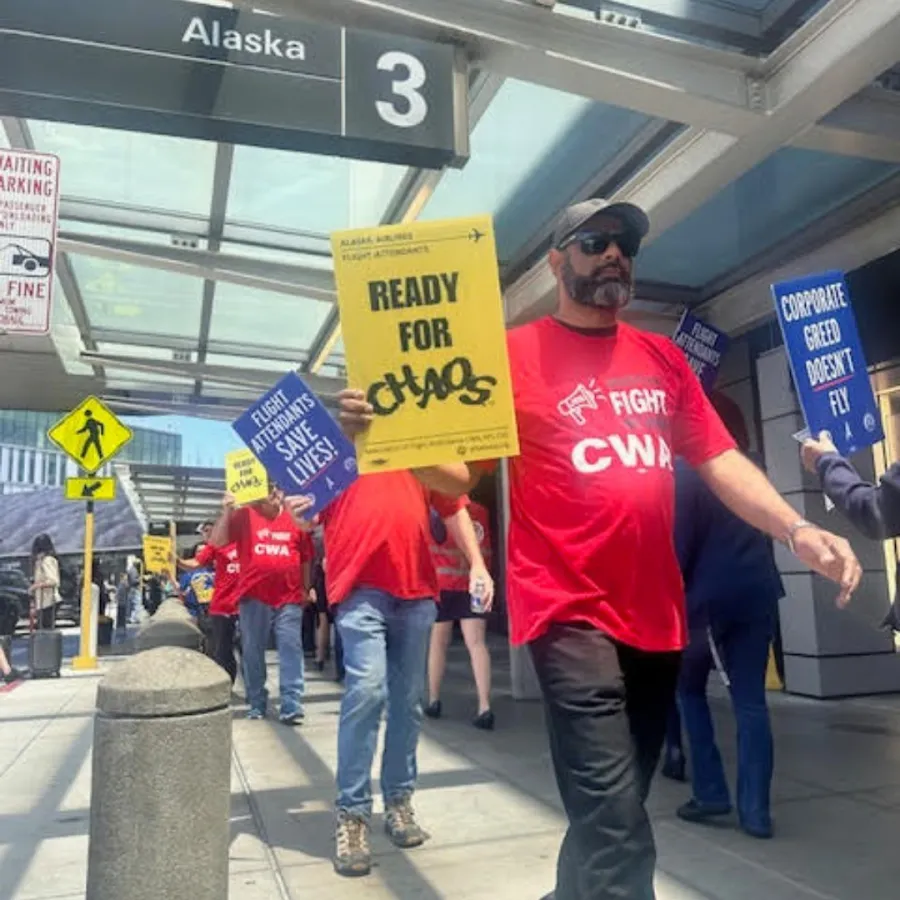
(298, 507)
(355, 413)
(812, 450)
(831, 556)
(481, 574)
(228, 501)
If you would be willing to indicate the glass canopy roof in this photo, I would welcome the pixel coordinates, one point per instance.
(201, 270)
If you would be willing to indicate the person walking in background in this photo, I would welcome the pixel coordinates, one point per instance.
(44, 588)
(382, 585)
(223, 607)
(455, 605)
(123, 590)
(134, 590)
(274, 555)
(733, 587)
(874, 509)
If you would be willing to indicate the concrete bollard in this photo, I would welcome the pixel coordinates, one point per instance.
(161, 792)
(170, 626)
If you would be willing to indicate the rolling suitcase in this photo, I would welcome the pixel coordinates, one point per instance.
(45, 651)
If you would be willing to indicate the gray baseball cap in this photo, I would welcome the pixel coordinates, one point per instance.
(580, 214)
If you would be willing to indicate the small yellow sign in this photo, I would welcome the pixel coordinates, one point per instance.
(90, 434)
(422, 318)
(245, 477)
(157, 554)
(99, 489)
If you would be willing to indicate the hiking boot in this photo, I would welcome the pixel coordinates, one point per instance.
(401, 826)
(352, 854)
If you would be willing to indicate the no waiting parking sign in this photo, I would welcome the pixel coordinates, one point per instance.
(29, 209)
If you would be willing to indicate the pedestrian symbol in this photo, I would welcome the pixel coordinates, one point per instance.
(90, 434)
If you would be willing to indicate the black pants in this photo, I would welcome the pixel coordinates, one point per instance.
(607, 707)
(223, 631)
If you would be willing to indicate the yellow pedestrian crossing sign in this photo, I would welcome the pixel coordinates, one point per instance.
(99, 489)
(90, 434)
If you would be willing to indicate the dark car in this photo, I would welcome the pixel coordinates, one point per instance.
(15, 600)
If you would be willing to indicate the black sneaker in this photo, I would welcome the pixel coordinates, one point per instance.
(484, 721)
(352, 854)
(401, 826)
(697, 812)
(14, 675)
(433, 710)
(674, 767)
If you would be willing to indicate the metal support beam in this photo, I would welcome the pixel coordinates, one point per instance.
(832, 58)
(218, 204)
(243, 380)
(316, 284)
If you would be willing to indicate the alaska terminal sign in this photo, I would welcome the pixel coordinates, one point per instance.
(236, 76)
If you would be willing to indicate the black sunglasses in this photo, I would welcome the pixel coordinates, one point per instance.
(593, 243)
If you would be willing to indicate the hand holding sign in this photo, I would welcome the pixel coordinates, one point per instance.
(356, 412)
(813, 450)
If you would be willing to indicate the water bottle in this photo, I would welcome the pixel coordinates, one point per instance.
(478, 595)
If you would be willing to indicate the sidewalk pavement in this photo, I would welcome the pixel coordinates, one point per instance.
(488, 799)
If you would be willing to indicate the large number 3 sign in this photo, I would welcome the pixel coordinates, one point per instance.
(408, 108)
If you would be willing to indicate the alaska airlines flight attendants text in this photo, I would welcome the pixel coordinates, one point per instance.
(594, 587)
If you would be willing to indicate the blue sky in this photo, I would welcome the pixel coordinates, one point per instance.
(204, 442)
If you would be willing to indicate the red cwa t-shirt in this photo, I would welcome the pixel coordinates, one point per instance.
(377, 535)
(601, 416)
(227, 569)
(451, 563)
(271, 553)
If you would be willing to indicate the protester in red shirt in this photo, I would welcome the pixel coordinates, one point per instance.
(382, 584)
(594, 587)
(224, 605)
(455, 605)
(273, 553)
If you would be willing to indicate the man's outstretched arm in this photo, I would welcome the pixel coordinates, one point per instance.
(746, 491)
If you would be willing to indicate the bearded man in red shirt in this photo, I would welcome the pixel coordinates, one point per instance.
(594, 586)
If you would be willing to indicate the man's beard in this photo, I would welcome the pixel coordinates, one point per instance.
(598, 291)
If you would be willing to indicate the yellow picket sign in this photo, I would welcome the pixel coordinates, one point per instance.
(157, 554)
(424, 337)
(245, 477)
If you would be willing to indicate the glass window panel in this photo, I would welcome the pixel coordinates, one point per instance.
(776, 199)
(308, 192)
(116, 166)
(264, 317)
(136, 351)
(502, 161)
(260, 363)
(133, 298)
(321, 260)
(130, 379)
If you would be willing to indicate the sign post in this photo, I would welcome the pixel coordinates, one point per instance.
(29, 210)
(827, 361)
(91, 435)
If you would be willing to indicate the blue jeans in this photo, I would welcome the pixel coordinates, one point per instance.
(257, 620)
(744, 649)
(385, 642)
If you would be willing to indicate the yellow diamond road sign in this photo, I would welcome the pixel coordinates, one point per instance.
(99, 489)
(91, 434)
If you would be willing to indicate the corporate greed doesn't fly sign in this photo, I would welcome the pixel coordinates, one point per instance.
(299, 443)
(827, 360)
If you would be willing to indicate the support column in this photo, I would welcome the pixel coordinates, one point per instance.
(827, 652)
(521, 669)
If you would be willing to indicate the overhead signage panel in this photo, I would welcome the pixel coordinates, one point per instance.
(232, 75)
